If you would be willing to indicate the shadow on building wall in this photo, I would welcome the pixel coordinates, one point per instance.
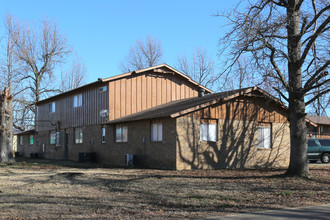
(237, 145)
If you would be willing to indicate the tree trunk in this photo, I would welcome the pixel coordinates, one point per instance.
(6, 127)
(298, 132)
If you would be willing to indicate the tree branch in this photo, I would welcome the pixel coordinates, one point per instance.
(317, 96)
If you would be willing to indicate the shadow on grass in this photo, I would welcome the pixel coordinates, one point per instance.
(23, 162)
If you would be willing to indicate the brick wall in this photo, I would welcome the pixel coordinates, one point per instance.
(149, 154)
(236, 146)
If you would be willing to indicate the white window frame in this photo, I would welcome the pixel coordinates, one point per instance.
(52, 107)
(121, 133)
(78, 135)
(103, 135)
(30, 139)
(52, 137)
(77, 100)
(209, 132)
(156, 132)
(264, 137)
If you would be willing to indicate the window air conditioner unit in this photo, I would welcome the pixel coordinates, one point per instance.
(130, 160)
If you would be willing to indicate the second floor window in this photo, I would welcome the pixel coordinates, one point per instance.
(77, 100)
(121, 133)
(52, 107)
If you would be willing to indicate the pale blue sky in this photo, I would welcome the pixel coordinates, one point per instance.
(102, 31)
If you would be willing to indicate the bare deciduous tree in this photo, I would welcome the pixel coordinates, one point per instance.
(142, 55)
(75, 77)
(281, 36)
(39, 53)
(200, 67)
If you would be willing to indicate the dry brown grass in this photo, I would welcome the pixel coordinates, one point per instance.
(35, 189)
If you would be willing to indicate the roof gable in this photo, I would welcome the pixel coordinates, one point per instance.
(158, 69)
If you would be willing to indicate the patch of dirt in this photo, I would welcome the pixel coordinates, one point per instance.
(38, 191)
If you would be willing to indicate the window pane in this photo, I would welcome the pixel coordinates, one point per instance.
(311, 143)
(203, 132)
(324, 142)
(264, 137)
(260, 137)
(267, 137)
(75, 101)
(52, 137)
(80, 137)
(124, 134)
(80, 100)
(212, 135)
(153, 132)
(159, 132)
(118, 134)
(31, 139)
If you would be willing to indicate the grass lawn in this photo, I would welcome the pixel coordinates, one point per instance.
(31, 189)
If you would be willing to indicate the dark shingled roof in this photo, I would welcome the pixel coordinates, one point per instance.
(167, 109)
(319, 119)
(31, 131)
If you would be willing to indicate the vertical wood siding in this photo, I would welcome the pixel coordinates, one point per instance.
(93, 102)
(137, 93)
(124, 96)
(245, 109)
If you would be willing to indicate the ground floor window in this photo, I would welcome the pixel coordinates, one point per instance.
(21, 140)
(209, 130)
(31, 139)
(156, 132)
(78, 135)
(103, 135)
(52, 137)
(121, 133)
(264, 136)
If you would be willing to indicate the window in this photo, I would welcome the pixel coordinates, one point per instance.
(121, 133)
(264, 136)
(78, 135)
(58, 139)
(325, 142)
(103, 135)
(21, 140)
(52, 107)
(31, 139)
(321, 128)
(312, 143)
(209, 131)
(52, 137)
(157, 132)
(103, 89)
(77, 100)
